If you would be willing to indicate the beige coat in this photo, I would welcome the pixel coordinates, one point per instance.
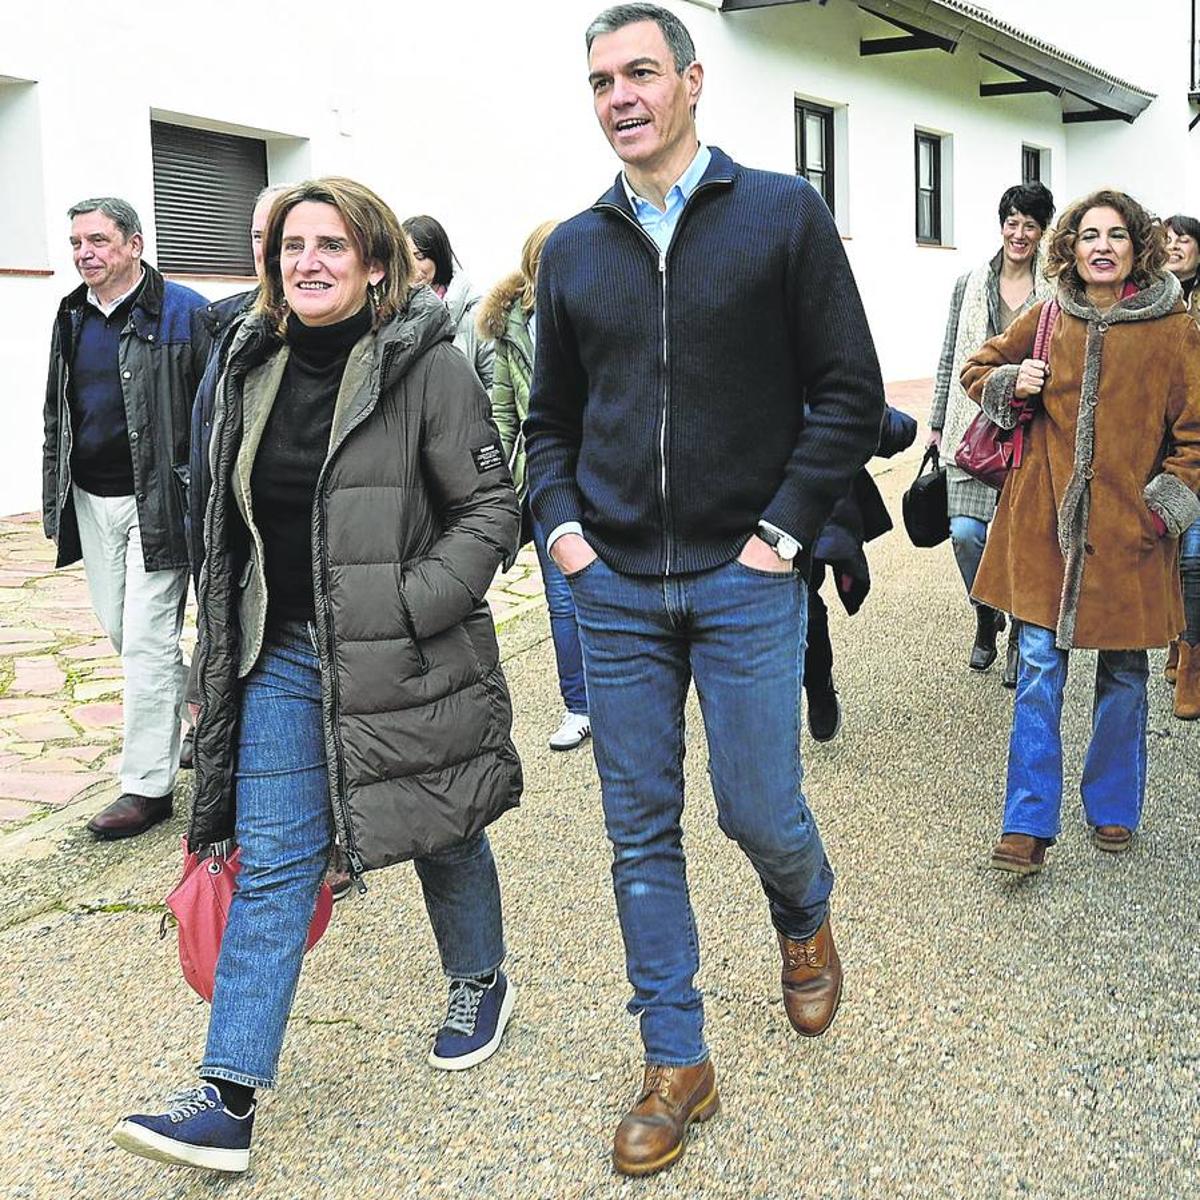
(1074, 547)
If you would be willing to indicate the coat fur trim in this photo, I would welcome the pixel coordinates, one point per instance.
(492, 318)
(1174, 501)
(1157, 300)
(998, 391)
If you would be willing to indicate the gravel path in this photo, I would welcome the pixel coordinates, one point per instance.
(997, 1038)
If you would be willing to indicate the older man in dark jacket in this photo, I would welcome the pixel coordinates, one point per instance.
(114, 486)
(683, 323)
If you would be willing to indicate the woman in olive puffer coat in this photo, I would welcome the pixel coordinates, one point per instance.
(348, 668)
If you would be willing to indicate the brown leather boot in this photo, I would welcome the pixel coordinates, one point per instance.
(812, 981)
(653, 1133)
(1020, 853)
(128, 815)
(1187, 682)
(1172, 667)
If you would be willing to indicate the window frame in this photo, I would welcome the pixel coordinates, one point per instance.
(202, 219)
(935, 193)
(828, 190)
(1028, 153)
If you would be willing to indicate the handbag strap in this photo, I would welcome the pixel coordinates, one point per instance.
(1045, 327)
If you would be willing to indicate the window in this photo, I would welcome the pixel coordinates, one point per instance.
(1031, 164)
(23, 230)
(814, 148)
(929, 188)
(205, 183)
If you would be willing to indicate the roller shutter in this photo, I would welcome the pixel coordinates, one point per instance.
(204, 189)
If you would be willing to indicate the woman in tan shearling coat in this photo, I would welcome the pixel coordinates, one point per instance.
(1084, 546)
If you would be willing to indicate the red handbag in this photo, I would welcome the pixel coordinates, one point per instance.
(987, 452)
(200, 902)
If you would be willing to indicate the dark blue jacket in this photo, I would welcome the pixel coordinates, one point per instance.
(212, 332)
(667, 412)
(158, 381)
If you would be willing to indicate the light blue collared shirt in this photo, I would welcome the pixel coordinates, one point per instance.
(661, 225)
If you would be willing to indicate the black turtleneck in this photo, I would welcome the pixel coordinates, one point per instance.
(291, 454)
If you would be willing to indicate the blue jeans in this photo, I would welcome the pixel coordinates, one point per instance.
(564, 629)
(968, 537)
(1189, 577)
(1114, 771)
(285, 830)
(740, 634)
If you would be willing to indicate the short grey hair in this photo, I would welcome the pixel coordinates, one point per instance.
(679, 41)
(272, 189)
(120, 212)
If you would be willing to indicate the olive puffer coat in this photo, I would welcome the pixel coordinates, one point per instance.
(1116, 437)
(504, 321)
(414, 511)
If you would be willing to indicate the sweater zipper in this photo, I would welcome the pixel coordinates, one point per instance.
(664, 488)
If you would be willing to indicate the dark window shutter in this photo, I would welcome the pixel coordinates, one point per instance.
(204, 189)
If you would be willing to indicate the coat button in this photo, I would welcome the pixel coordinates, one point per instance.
(133, 435)
(1089, 548)
(126, 374)
(141, 496)
(1102, 326)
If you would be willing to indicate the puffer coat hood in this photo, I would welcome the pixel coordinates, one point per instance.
(414, 511)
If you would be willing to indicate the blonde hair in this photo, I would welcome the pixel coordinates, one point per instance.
(531, 258)
(372, 226)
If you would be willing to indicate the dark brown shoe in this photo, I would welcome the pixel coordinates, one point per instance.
(653, 1133)
(1114, 839)
(812, 981)
(128, 815)
(187, 750)
(1020, 853)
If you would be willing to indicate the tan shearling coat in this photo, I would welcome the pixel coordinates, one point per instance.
(1073, 546)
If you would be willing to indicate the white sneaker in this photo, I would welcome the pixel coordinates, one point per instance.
(571, 732)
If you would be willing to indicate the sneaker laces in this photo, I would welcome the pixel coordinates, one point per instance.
(188, 1104)
(465, 998)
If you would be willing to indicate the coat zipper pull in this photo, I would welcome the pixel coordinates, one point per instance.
(356, 871)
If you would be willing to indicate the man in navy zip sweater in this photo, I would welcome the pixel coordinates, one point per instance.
(684, 323)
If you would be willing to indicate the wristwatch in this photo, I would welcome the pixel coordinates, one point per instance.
(786, 547)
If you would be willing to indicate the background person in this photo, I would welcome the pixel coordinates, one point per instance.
(859, 517)
(118, 399)
(985, 302)
(434, 263)
(1083, 547)
(360, 507)
(1183, 655)
(507, 318)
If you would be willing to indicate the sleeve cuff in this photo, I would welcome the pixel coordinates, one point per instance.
(999, 393)
(559, 530)
(1173, 501)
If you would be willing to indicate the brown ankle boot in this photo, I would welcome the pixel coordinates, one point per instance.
(1187, 682)
(812, 981)
(1172, 667)
(653, 1133)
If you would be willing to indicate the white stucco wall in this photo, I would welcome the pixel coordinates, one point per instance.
(479, 112)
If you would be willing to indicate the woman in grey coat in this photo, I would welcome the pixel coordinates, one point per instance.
(348, 668)
(434, 264)
(985, 302)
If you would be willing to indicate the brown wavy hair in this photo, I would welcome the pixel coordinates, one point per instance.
(376, 234)
(1146, 230)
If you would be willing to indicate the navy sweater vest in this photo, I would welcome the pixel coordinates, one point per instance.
(101, 462)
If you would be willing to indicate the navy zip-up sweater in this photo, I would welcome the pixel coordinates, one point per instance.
(667, 412)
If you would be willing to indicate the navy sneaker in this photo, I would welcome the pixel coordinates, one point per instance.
(196, 1130)
(475, 1021)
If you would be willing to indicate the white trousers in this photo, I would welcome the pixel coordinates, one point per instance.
(142, 613)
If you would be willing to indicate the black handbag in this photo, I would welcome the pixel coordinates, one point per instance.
(924, 504)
